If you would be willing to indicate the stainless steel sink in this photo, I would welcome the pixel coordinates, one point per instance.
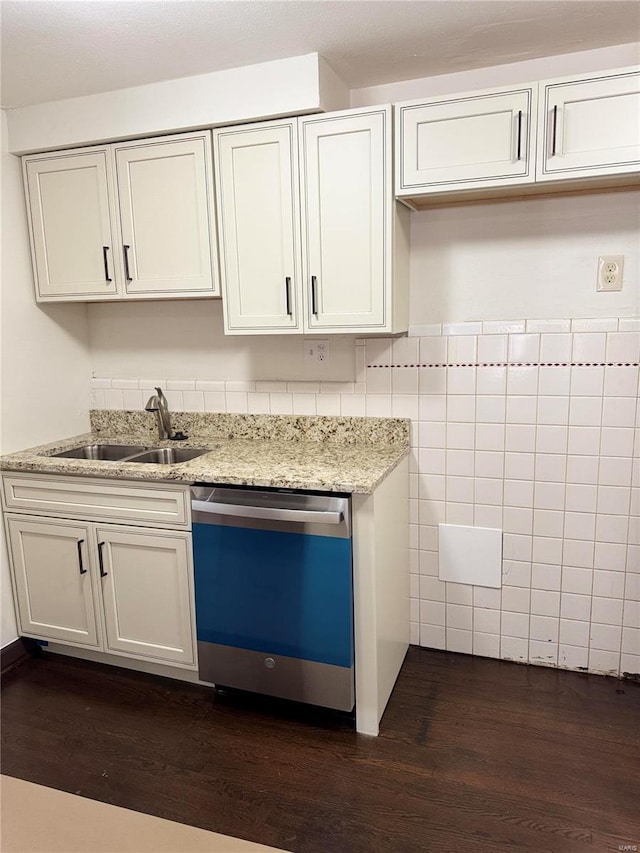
(168, 455)
(102, 452)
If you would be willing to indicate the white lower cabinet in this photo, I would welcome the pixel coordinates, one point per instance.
(55, 587)
(146, 593)
(123, 590)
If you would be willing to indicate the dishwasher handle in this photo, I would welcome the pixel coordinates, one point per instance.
(301, 516)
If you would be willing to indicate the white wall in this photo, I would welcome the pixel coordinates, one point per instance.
(185, 339)
(586, 61)
(524, 259)
(45, 365)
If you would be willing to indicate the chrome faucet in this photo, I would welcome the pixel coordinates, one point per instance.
(158, 404)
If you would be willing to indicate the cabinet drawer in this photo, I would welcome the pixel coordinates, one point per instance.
(98, 500)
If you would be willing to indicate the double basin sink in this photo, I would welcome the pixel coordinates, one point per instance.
(132, 453)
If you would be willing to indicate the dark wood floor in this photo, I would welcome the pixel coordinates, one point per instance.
(476, 755)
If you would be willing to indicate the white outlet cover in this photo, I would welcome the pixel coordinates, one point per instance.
(316, 351)
(470, 555)
(610, 271)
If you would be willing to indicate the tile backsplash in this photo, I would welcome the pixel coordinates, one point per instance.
(529, 426)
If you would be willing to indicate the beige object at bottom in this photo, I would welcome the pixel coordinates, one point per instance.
(36, 819)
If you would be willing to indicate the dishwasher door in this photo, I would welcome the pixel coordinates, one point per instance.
(274, 599)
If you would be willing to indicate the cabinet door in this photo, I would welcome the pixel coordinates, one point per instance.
(465, 142)
(51, 570)
(589, 127)
(71, 215)
(258, 221)
(166, 203)
(147, 586)
(345, 164)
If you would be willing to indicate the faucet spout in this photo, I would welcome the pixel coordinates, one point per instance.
(158, 403)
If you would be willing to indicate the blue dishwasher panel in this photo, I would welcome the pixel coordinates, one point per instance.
(274, 592)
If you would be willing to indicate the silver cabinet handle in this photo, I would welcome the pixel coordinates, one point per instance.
(555, 130)
(272, 513)
(314, 295)
(519, 145)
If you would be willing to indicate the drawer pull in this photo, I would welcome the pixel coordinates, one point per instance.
(83, 571)
(103, 574)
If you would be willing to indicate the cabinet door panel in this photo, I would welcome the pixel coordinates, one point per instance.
(70, 221)
(55, 600)
(590, 127)
(165, 193)
(346, 220)
(258, 218)
(147, 594)
(480, 140)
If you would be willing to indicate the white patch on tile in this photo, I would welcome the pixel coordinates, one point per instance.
(470, 555)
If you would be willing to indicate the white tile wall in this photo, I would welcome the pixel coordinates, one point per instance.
(530, 426)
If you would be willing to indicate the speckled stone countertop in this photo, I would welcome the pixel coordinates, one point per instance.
(337, 454)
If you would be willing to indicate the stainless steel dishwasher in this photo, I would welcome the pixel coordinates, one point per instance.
(274, 599)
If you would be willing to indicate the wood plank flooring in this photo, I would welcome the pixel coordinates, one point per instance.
(474, 754)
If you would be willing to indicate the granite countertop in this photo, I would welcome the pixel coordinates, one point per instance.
(319, 453)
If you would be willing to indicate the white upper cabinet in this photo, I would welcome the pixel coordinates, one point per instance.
(130, 220)
(308, 226)
(470, 141)
(346, 213)
(517, 140)
(589, 126)
(72, 225)
(165, 193)
(259, 227)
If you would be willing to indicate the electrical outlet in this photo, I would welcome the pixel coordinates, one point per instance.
(610, 269)
(316, 351)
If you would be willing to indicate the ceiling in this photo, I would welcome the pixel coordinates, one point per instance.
(54, 49)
